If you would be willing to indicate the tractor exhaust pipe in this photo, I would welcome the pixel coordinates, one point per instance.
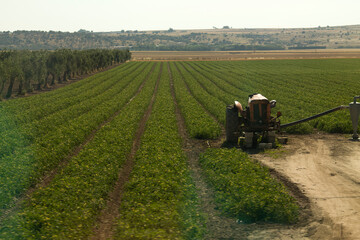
(354, 114)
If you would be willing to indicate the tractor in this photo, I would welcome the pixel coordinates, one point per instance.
(254, 126)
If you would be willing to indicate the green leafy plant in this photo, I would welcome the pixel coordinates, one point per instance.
(245, 190)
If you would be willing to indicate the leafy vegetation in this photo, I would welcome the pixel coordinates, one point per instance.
(39, 146)
(38, 134)
(198, 123)
(210, 102)
(245, 190)
(159, 200)
(68, 207)
(297, 85)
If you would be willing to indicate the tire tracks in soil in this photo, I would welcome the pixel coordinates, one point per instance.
(104, 227)
(46, 179)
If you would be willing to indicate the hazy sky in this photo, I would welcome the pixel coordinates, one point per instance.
(113, 15)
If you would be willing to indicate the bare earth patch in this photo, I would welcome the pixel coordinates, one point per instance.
(243, 55)
(325, 167)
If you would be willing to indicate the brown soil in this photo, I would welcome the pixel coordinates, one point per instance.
(104, 227)
(243, 55)
(325, 167)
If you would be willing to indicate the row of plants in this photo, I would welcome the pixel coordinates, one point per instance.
(297, 85)
(198, 123)
(26, 165)
(215, 106)
(245, 190)
(68, 207)
(41, 105)
(160, 201)
(32, 122)
(212, 85)
(26, 70)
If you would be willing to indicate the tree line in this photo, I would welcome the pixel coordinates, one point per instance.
(23, 71)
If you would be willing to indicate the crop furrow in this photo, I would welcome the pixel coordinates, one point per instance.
(104, 227)
(159, 201)
(209, 102)
(27, 165)
(198, 121)
(48, 124)
(84, 184)
(43, 104)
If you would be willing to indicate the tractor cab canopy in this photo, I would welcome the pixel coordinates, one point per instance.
(257, 97)
(259, 111)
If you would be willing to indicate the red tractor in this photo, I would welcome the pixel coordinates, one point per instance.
(254, 126)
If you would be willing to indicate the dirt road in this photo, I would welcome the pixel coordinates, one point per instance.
(326, 168)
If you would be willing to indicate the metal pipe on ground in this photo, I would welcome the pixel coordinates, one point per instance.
(313, 117)
(354, 114)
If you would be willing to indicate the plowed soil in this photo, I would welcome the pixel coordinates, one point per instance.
(326, 169)
(243, 55)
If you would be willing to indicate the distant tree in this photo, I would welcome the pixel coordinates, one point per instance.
(27, 59)
(39, 65)
(14, 72)
(83, 31)
(226, 27)
(171, 30)
(3, 78)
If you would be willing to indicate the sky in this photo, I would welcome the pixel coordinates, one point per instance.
(116, 15)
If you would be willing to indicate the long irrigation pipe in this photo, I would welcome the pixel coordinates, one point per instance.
(313, 117)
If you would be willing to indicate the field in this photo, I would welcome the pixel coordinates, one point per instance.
(244, 55)
(135, 152)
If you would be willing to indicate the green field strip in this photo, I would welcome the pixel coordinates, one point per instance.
(68, 207)
(245, 190)
(206, 84)
(295, 89)
(209, 102)
(85, 104)
(28, 133)
(238, 81)
(25, 110)
(13, 136)
(227, 91)
(198, 122)
(73, 88)
(210, 85)
(27, 165)
(160, 201)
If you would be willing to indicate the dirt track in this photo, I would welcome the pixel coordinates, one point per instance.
(243, 55)
(326, 168)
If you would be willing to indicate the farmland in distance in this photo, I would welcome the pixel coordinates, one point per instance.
(61, 170)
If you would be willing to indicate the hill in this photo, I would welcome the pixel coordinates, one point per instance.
(225, 39)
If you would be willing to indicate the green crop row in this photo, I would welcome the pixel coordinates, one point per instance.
(41, 105)
(245, 190)
(159, 200)
(81, 103)
(302, 88)
(68, 207)
(198, 123)
(210, 102)
(26, 165)
(210, 84)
